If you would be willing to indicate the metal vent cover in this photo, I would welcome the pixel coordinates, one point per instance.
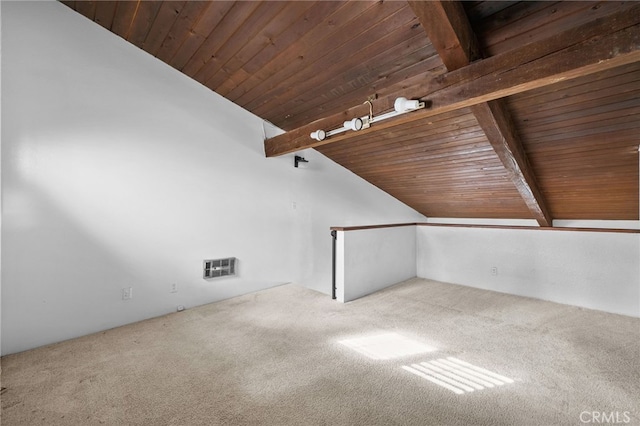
(214, 268)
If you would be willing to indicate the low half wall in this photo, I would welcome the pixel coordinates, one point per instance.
(371, 258)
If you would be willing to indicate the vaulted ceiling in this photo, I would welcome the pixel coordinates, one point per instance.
(533, 108)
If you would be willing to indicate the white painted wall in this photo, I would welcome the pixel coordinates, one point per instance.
(369, 260)
(0, 180)
(118, 171)
(340, 265)
(590, 269)
(326, 196)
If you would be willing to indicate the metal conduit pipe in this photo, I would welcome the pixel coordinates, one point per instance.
(334, 235)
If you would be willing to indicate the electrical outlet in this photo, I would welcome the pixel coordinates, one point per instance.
(127, 293)
(494, 271)
(174, 288)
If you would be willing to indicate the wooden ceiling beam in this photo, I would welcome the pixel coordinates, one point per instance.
(450, 32)
(602, 44)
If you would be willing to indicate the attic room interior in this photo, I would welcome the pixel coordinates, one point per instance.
(320, 212)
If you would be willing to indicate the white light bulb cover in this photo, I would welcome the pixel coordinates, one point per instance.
(403, 104)
(318, 135)
(355, 124)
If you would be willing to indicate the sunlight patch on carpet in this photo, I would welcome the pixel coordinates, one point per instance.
(386, 346)
(456, 375)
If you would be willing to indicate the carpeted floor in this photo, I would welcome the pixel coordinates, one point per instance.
(277, 357)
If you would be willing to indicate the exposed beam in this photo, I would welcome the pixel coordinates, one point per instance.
(602, 44)
(450, 32)
(498, 126)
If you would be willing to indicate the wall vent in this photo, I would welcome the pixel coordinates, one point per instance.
(213, 268)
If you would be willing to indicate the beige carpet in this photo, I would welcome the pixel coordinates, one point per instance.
(274, 358)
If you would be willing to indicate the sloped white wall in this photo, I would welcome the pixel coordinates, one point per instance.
(118, 171)
(596, 270)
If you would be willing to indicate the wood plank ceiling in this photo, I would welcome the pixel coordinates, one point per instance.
(534, 107)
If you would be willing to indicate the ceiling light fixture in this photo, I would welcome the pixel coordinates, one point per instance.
(355, 124)
(405, 105)
(319, 135)
(401, 106)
